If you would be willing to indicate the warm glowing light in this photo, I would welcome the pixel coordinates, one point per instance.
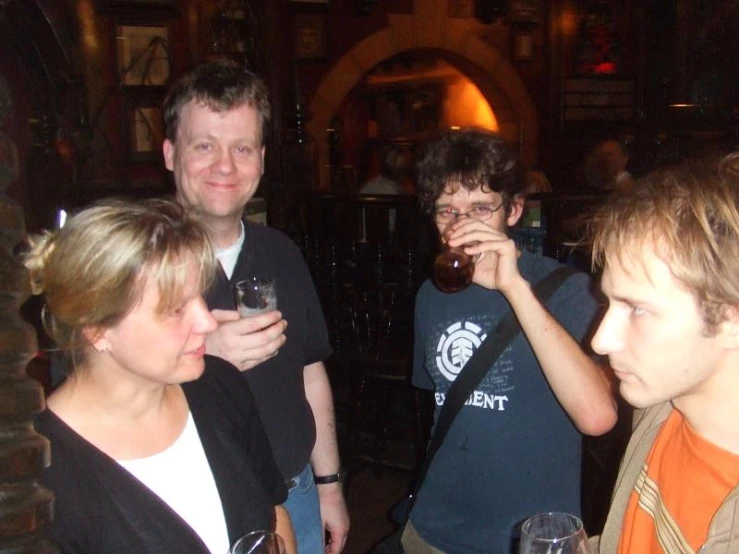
(86, 15)
(465, 106)
(569, 22)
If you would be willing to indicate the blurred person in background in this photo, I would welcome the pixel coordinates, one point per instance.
(605, 167)
(392, 173)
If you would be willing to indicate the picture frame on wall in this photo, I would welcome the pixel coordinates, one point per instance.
(143, 55)
(143, 123)
(599, 99)
(523, 46)
(225, 31)
(407, 110)
(147, 131)
(310, 37)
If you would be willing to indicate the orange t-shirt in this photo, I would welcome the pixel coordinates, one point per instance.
(684, 480)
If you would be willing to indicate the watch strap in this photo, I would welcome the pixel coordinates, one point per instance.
(328, 479)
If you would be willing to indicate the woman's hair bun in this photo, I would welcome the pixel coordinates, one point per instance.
(37, 257)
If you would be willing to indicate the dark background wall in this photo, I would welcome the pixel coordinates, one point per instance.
(69, 117)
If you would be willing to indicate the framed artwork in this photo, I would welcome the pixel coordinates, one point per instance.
(310, 37)
(144, 123)
(225, 30)
(143, 55)
(405, 110)
(599, 99)
(523, 46)
(147, 131)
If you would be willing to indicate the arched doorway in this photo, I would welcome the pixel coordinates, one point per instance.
(394, 109)
(458, 42)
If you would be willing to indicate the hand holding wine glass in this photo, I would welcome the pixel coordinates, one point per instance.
(553, 533)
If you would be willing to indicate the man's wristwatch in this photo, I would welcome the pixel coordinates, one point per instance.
(328, 479)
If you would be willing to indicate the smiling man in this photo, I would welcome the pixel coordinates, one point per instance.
(215, 117)
(515, 448)
(670, 255)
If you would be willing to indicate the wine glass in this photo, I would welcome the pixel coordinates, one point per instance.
(553, 533)
(259, 542)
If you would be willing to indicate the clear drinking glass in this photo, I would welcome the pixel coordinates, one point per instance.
(553, 533)
(259, 542)
(255, 296)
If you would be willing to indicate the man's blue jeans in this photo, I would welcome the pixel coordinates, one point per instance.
(305, 512)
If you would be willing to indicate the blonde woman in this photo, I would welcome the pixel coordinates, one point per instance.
(155, 447)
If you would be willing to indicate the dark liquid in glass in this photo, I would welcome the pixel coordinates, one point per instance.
(453, 271)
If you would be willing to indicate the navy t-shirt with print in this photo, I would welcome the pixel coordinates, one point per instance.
(512, 451)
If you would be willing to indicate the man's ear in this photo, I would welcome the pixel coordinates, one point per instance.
(730, 327)
(168, 151)
(517, 203)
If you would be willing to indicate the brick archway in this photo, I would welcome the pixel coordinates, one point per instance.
(429, 28)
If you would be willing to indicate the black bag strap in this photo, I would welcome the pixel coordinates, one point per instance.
(480, 363)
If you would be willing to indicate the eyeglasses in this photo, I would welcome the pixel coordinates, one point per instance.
(481, 213)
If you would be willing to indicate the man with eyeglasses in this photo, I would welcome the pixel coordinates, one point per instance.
(514, 449)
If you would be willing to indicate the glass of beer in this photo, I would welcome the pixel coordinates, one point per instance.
(255, 296)
(453, 269)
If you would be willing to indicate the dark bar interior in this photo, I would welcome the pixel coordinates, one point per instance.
(351, 83)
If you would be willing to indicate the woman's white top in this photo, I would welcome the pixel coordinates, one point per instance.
(181, 477)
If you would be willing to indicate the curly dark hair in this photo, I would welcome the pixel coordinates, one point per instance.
(221, 85)
(471, 158)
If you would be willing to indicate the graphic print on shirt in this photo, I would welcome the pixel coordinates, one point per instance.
(456, 345)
